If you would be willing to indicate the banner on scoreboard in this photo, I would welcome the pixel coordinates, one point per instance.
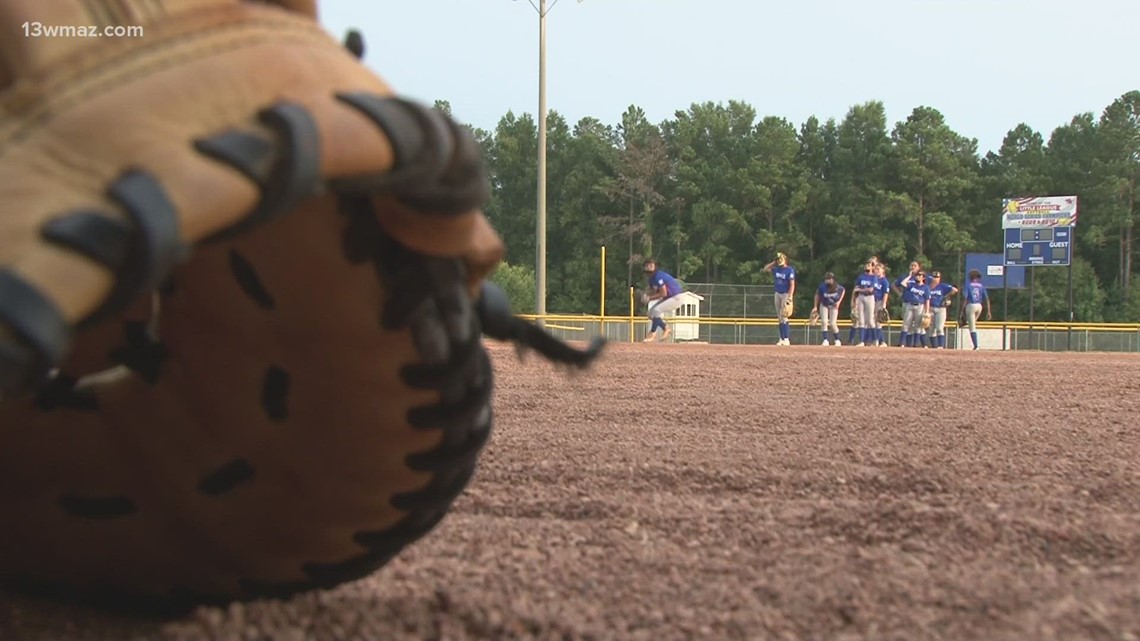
(1043, 211)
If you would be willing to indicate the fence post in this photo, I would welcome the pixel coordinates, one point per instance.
(631, 313)
(603, 284)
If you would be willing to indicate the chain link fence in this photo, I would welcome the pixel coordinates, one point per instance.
(736, 301)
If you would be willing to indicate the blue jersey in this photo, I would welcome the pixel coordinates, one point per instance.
(938, 293)
(882, 284)
(976, 293)
(659, 278)
(830, 299)
(784, 277)
(915, 294)
(865, 280)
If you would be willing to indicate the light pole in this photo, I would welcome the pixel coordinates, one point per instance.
(540, 227)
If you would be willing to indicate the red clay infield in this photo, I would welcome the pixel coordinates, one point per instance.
(762, 492)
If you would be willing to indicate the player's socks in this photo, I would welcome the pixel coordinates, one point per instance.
(974, 339)
(902, 338)
(922, 339)
(851, 334)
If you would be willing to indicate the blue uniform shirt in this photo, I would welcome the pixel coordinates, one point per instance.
(830, 299)
(939, 292)
(784, 277)
(882, 284)
(976, 293)
(865, 280)
(659, 278)
(916, 294)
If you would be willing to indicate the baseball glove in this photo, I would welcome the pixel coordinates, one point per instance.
(242, 300)
(813, 318)
(946, 302)
(643, 296)
(883, 315)
(789, 307)
(927, 317)
(854, 313)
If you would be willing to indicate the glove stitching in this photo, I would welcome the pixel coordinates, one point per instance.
(39, 336)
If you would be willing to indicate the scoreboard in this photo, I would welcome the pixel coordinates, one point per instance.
(1038, 246)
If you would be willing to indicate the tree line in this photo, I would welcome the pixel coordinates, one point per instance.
(714, 192)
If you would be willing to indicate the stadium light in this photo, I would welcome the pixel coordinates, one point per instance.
(540, 253)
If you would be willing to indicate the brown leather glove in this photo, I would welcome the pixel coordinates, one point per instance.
(242, 293)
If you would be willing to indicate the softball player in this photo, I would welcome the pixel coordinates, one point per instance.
(915, 267)
(855, 322)
(940, 293)
(827, 300)
(785, 277)
(882, 297)
(976, 296)
(855, 326)
(865, 299)
(664, 296)
(916, 302)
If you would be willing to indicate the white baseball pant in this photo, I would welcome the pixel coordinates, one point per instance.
(912, 319)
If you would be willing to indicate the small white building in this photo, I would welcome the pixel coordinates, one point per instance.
(689, 308)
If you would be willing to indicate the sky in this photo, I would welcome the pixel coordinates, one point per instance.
(986, 65)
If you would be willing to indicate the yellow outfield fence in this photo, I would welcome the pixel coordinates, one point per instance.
(1013, 335)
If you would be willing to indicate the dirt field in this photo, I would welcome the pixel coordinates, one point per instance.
(718, 492)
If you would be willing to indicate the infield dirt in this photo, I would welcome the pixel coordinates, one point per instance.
(759, 492)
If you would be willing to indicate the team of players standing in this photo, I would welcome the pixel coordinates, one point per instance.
(872, 292)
